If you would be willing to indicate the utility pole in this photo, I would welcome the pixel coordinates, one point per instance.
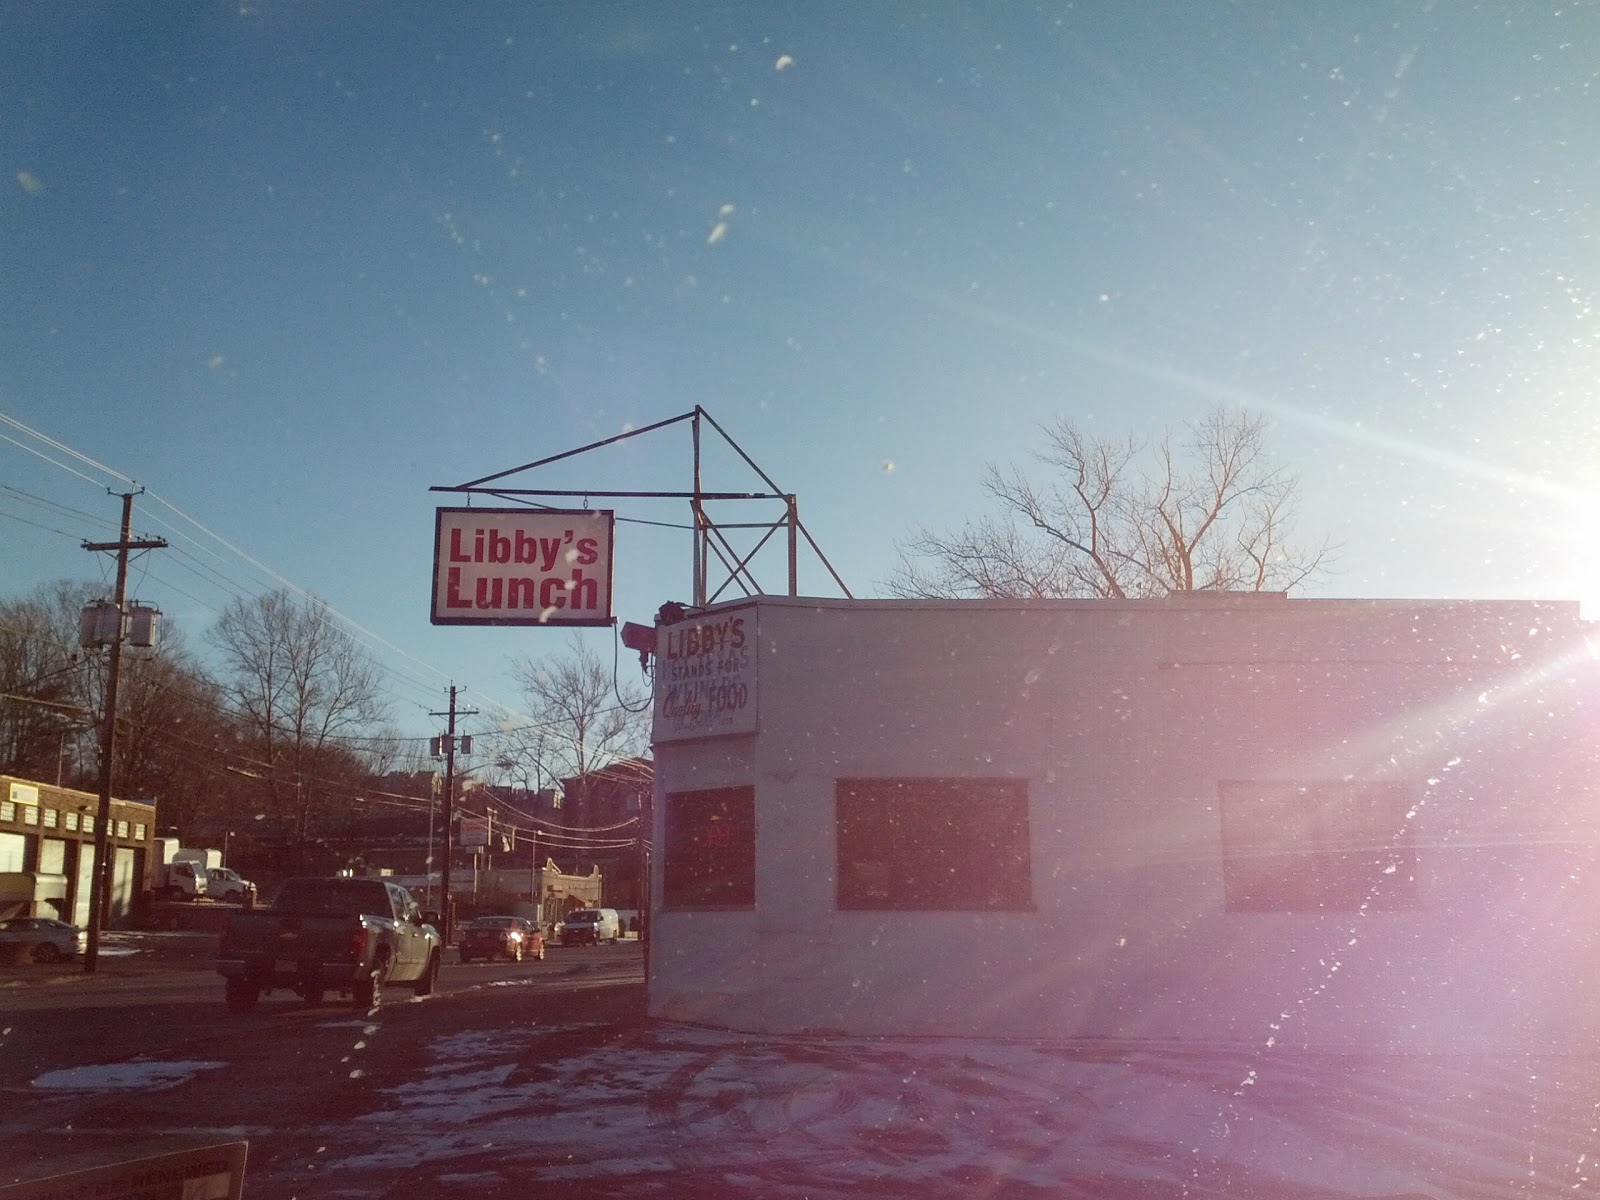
(100, 887)
(447, 746)
(433, 801)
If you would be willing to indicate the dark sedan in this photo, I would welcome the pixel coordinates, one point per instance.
(513, 938)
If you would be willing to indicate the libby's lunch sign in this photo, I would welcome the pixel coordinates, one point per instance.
(522, 566)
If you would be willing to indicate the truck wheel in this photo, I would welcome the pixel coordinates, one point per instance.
(430, 976)
(242, 995)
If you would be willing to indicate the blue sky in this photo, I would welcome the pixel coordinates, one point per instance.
(290, 265)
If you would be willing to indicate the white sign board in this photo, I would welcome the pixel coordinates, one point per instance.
(202, 1173)
(522, 566)
(705, 676)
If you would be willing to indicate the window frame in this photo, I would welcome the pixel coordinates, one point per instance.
(693, 876)
(894, 860)
(1333, 846)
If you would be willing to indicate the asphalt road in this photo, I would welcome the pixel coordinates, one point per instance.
(277, 1077)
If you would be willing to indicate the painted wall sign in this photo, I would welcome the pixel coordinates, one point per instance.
(522, 566)
(705, 676)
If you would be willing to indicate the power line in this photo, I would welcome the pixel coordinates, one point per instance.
(35, 524)
(77, 708)
(197, 556)
(51, 442)
(268, 572)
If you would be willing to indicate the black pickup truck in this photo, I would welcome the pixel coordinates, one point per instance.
(321, 935)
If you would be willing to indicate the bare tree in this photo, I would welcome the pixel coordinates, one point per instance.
(581, 718)
(171, 726)
(525, 755)
(1118, 518)
(45, 706)
(301, 687)
(172, 733)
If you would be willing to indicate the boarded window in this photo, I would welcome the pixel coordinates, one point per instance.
(710, 849)
(933, 844)
(1309, 847)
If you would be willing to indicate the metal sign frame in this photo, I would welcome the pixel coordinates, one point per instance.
(711, 538)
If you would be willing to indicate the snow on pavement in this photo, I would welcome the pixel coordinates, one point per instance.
(137, 1075)
(829, 1117)
(835, 1116)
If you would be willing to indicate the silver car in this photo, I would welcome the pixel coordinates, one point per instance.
(40, 939)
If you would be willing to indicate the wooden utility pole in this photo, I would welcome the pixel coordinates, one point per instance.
(100, 887)
(447, 744)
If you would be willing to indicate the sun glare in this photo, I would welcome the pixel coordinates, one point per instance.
(1583, 548)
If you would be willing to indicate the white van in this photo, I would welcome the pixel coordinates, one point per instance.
(590, 927)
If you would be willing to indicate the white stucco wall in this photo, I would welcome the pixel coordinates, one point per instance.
(1123, 718)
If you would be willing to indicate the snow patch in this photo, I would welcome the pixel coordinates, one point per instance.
(118, 1077)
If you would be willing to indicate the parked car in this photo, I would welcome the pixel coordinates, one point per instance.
(514, 938)
(590, 927)
(41, 939)
(224, 883)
